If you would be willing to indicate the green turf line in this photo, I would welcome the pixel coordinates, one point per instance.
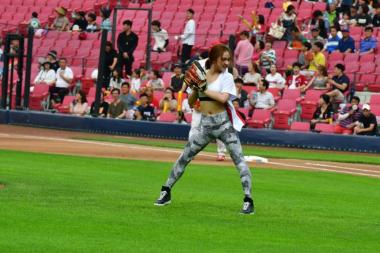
(258, 151)
(58, 203)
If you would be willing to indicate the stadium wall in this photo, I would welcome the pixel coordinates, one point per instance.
(178, 131)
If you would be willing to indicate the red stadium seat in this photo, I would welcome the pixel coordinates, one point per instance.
(40, 94)
(282, 116)
(324, 128)
(375, 99)
(374, 87)
(300, 126)
(261, 118)
(167, 117)
(294, 94)
(309, 105)
(65, 106)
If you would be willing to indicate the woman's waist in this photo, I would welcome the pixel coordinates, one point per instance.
(212, 107)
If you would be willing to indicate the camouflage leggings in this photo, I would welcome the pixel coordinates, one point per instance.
(212, 127)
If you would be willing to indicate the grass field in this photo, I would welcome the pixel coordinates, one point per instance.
(56, 203)
(267, 152)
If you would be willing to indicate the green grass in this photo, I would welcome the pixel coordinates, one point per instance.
(56, 203)
(258, 151)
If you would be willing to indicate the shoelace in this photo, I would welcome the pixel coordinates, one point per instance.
(246, 205)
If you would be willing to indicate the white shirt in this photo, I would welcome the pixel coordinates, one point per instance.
(262, 100)
(44, 76)
(135, 83)
(251, 78)
(188, 36)
(68, 74)
(160, 39)
(275, 81)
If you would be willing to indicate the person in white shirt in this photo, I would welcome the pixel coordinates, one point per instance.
(253, 75)
(262, 99)
(274, 78)
(161, 37)
(46, 75)
(64, 77)
(79, 106)
(135, 81)
(188, 37)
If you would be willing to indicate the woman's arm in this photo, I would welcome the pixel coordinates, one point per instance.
(218, 96)
(193, 98)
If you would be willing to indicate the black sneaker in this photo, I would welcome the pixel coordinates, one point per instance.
(165, 197)
(248, 206)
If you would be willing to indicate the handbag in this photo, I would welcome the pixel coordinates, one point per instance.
(276, 31)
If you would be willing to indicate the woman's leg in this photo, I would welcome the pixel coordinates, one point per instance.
(199, 138)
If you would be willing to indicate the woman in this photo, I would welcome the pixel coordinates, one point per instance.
(80, 22)
(259, 47)
(103, 108)
(319, 81)
(324, 112)
(267, 57)
(215, 123)
(79, 106)
(180, 118)
(168, 103)
(110, 64)
(274, 78)
(92, 25)
(105, 14)
(318, 22)
(288, 20)
(151, 99)
(155, 81)
(253, 75)
(46, 75)
(61, 22)
(116, 79)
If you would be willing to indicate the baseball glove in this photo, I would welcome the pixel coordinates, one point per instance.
(195, 77)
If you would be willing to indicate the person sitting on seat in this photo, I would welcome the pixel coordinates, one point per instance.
(348, 116)
(367, 123)
(262, 99)
(323, 113)
(339, 83)
(79, 106)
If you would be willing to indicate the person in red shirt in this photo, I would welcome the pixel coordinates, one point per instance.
(296, 80)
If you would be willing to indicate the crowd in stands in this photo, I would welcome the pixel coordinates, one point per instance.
(264, 72)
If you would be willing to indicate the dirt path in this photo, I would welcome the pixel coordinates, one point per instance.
(62, 142)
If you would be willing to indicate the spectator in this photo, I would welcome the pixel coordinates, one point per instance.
(46, 74)
(126, 97)
(176, 81)
(347, 43)
(274, 78)
(34, 22)
(288, 20)
(339, 82)
(110, 64)
(135, 81)
(333, 40)
(305, 56)
(348, 116)
(259, 47)
(253, 75)
(64, 77)
(319, 80)
(262, 99)
(161, 37)
(151, 99)
(267, 57)
(61, 22)
(92, 26)
(168, 103)
(346, 22)
(318, 22)
(79, 106)
(105, 13)
(353, 14)
(116, 107)
(319, 58)
(180, 119)
(155, 81)
(80, 22)
(188, 37)
(243, 53)
(331, 15)
(241, 95)
(297, 80)
(315, 36)
(52, 58)
(363, 18)
(103, 108)
(257, 27)
(297, 40)
(127, 42)
(345, 5)
(235, 103)
(116, 79)
(145, 111)
(323, 113)
(367, 123)
(368, 44)
(376, 17)
(143, 74)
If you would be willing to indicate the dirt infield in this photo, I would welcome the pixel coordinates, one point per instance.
(63, 142)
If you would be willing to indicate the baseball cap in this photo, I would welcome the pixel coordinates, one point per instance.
(366, 107)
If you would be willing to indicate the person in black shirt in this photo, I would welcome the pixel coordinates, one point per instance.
(363, 18)
(110, 64)
(241, 94)
(367, 124)
(376, 18)
(127, 42)
(145, 111)
(319, 23)
(103, 108)
(176, 81)
(323, 113)
(340, 83)
(80, 21)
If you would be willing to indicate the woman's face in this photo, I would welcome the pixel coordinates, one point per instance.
(78, 97)
(168, 94)
(46, 66)
(108, 48)
(223, 62)
(268, 46)
(273, 69)
(115, 73)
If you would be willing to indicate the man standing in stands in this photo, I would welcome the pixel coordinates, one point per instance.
(188, 37)
(64, 77)
(127, 42)
(161, 37)
(243, 53)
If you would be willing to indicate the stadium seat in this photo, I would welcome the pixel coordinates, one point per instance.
(294, 94)
(309, 105)
(286, 108)
(40, 94)
(324, 128)
(167, 117)
(375, 99)
(300, 126)
(261, 118)
(65, 106)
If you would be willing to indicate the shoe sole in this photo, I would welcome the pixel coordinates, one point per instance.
(252, 213)
(164, 204)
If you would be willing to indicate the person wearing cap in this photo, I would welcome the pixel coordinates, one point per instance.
(347, 43)
(340, 83)
(367, 123)
(52, 58)
(176, 81)
(188, 37)
(46, 74)
(61, 22)
(161, 37)
(348, 116)
(105, 13)
(243, 53)
(127, 42)
(368, 44)
(315, 37)
(80, 22)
